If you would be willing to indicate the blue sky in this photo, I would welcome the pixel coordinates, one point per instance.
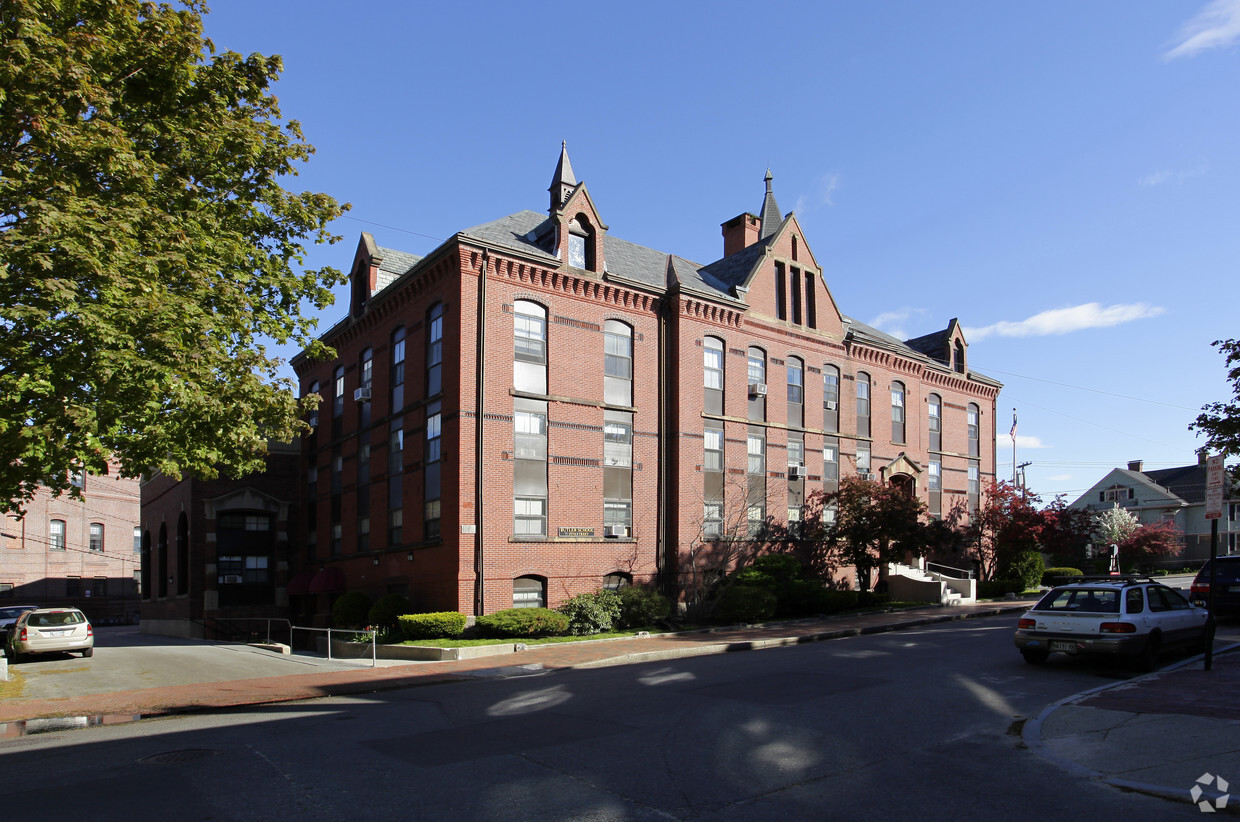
(1062, 177)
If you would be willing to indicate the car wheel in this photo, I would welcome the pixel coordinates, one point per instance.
(88, 652)
(1148, 660)
(1035, 657)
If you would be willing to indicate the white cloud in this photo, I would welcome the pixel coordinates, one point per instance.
(893, 322)
(1066, 320)
(826, 187)
(1178, 177)
(1024, 441)
(1216, 26)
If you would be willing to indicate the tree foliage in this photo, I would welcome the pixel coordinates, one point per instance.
(1115, 525)
(1220, 421)
(146, 246)
(1006, 523)
(1066, 531)
(874, 523)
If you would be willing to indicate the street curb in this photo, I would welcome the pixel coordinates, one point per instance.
(1031, 735)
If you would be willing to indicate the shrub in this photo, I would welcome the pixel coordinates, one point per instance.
(745, 603)
(872, 599)
(835, 601)
(388, 609)
(431, 626)
(999, 588)
(641, 607)
(1026, 566)
(591, 613)
(351, 610)
(1050, 574)
(522, 623)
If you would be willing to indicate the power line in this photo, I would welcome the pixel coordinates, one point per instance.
(1090, 390)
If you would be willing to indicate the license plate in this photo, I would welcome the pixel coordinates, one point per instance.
(1068, 647)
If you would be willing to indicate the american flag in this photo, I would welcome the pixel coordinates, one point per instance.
(1012, 433)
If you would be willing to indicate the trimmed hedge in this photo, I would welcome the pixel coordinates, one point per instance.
(441, 625)
(388, 609)
(872, 599)
(1050, 574)
(641, 607)
(591, 613)
(745, 603)
(522, 623)
(999, 588)
(351, 610)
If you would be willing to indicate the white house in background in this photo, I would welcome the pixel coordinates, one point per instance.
(1177, 494)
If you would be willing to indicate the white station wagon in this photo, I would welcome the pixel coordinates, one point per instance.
(1125, 616)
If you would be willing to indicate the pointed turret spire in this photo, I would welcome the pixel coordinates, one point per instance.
(771, 216)
(563, 182)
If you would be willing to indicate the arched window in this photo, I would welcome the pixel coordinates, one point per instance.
(529, 592)
(958, 357)
(182, 554)
(529, 347)
(863, 404)
(617, 580)
(712, 375)
(581, 241)
(973, 415)
(897, 412)
(934, 406)
(397, 378)
(617, 363)
(434, 350)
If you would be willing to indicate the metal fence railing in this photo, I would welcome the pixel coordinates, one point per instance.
(374, 653)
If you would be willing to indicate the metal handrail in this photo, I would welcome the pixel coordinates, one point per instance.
(374, 653)
(956, 573)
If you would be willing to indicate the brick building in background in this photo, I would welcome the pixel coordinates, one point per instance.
(81, 553)
(537, 408)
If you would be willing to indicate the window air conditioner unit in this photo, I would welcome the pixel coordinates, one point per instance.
(362, 394)
(830, 405)
(757, 389)
(231, 579)
(796, 471)
(870, 477)
(615, 531)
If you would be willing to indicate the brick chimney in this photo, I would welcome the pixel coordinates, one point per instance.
(739, 233)
(1202, 459)
(1136, 465)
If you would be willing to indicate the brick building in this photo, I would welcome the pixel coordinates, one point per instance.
(75, 552)
(215, 553)
(537, 408)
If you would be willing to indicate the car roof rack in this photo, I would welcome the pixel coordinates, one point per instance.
(1104, 578)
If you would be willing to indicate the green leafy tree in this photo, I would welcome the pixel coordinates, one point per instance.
(1220, 421)
(874, 523)
(146, 246)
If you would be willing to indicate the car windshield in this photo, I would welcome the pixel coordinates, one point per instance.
(12, 613)
(1090, 600)
(56, 618)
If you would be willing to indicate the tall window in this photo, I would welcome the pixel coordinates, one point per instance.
(529, 467)
(713, 449)
(434, 465)
(781, 292)
(617, 363)
(796, 391)
(137, 539)
(164, 570)
(434, 350)
(363, 496)
(975, 484)
(958, 357)
(935, 410)
(757, 383)
(863, 404)
(182, 554)
(863, 457)
(398, 369)
(756, 446)
(338, 401)
(96, 536)
(830, 398)
(712, 375)
(617, 473)
(973, 414)
(529, 347)
(897, 412)
(365, 379)
(56, 535)
(935, 487)
(830, 462)
(313, 419)
(395, 471)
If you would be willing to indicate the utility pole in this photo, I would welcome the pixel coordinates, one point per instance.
(1023, 485)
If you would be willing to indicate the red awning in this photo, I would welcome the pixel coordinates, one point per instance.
(327, 581)
(300, 583)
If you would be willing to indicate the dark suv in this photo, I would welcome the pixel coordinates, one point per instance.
(1226, 585)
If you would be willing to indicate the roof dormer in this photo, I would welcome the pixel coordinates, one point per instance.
(578, 241)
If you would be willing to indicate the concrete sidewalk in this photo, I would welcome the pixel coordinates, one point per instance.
(1164, 734)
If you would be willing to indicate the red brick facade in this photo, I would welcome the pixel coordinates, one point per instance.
(66, 551)
(464, 415)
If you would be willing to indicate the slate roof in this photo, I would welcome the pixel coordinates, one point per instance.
(1188, 483)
